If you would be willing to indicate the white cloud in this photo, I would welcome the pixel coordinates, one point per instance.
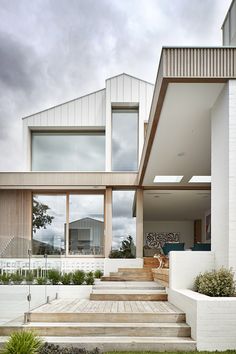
(55, 50)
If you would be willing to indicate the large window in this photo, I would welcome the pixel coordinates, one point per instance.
(123, 219)
(124, 139)
(48, 223)
(68, 151)
(82, 229)
(86, 224)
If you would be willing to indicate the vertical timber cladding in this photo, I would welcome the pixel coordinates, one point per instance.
(15, 222)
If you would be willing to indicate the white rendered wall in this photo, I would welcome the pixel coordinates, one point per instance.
(185, 228)
(186, 265)
(212, 320)
(224, 177)
(232, 174)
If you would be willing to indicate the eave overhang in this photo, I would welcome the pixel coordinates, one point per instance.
(185, 65)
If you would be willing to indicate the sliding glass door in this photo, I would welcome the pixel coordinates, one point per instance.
(71, 224)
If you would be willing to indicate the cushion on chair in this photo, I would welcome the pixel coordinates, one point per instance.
(201, 247)
(172, 246)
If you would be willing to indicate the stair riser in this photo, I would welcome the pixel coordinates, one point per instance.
(126, 272)
(126, 346)
(107, 317)
(162, 282)
(104, 331)
(106, 287)
(129, 297)
(133, 270)
(126, 278)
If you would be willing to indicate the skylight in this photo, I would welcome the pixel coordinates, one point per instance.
(167, 179)
(200, 179)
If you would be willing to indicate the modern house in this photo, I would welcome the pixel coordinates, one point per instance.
(157, 162)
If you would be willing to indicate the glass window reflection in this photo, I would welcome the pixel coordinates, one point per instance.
(48, 224)
(124, 140)
(86, 224)
(55, 151)
(123, 220)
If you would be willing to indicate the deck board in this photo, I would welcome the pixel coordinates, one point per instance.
(88, 306)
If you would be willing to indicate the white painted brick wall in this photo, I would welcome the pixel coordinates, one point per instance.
(212, 320)
(232, 175)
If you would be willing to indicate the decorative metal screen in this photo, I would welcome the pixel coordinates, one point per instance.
(158, 239)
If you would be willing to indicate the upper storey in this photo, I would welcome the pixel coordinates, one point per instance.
(229, 26)
(102, 131)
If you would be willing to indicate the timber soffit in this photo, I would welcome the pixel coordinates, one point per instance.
(197, 64)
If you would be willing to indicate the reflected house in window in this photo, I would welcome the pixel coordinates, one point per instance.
(85, 237)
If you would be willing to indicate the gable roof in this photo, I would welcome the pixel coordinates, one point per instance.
(86, 95)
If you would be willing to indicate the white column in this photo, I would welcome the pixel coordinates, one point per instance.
(223, 204)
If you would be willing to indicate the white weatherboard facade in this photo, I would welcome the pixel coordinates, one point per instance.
(93, 111)
(186, 127)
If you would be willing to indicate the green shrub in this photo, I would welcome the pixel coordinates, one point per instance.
(89, 278)
(78, 277)
(54, 276)
(216, 283)
(98, 274)
(41, 281)
(16, 277)
(23, 342)
(5, 278)
(66, 278)
(29, 277)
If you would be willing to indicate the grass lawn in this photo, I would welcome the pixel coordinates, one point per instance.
(216, 352)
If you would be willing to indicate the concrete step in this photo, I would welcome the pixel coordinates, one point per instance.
(127, 291)
(126, 277)
(108, 278)
(102, 329)
(106, 286)
(139, 317)
(134, 270)
(105, 344)
(127, 284)
(129, 297)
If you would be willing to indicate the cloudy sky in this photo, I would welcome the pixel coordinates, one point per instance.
(55, 50)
